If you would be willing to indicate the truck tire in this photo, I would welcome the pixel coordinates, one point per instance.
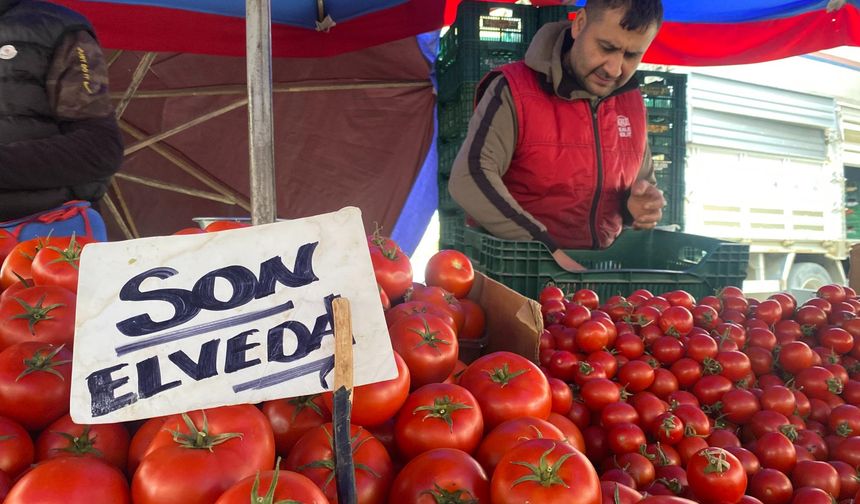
(808, 276)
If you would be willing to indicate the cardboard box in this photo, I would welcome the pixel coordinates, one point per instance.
(854, 267)
(514, 322)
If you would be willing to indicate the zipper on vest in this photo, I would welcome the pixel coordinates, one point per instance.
(592, 220)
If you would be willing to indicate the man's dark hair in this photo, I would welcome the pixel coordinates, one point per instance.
(640, 14)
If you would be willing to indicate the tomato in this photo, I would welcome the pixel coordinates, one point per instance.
(19, 261)
(278, 485)
(636, 375)
(625, 438)
(747, 459)
(816, 382)
(705, 316)
(844, 420)
(7, 243)
(451, 270)
(438, 415)
(562, 396)
(392, 269)
(775, 451)
(695, 420)
(71, 480)
(441, 475)
(614, 493)
(849, 485)
(778, 398)
(649, 408)
(795, 356)
(769, 311)
(676, 321)
(598, 393)
(629, 345)
(735, 365)
(816, 474)
(510, 433)
(739, 405)
(848, 451)
(44, 313)
(214, 448)
(667, 350)
(427, 345)
(572, 433)
(550, 292)
(16, 448)
(638, 466)
(837, 339)
(771, 487)
(506, 386)
(709, 389)
(760, 359)
(592, 336)
(57, 263)
(834, 293)
(375, 403)
(140, 442)
(618, 413)
(291, 418)
(668, 429)
(225, 225)
(313, 456)
(787, 302)
(544, 470)
(35, 383)
(587, 298)
(475, 320)
(565, 366)
(64, 438)
(810, 318)
(188, 231)
(441, 298)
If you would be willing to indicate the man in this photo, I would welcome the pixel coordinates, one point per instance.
(556, 149)
(59, 140)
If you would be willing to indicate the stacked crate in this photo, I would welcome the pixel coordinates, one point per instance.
(484, 36)
(664, 95)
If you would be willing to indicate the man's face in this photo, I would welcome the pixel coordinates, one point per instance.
(604, 55)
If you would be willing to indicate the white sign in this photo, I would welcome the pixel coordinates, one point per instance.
(178, 323)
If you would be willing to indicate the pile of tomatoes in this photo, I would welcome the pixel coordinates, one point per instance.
(720, 399)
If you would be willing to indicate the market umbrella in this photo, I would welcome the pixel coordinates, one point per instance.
(369, 139)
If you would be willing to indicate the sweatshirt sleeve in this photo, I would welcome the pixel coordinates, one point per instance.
(89, 146)
(476, 175)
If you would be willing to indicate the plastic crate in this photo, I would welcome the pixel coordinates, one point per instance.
(455, 112)
(447, 150)
(446, 202)
(452, 224)
(656, 260)
(662, 89)
(472, 62)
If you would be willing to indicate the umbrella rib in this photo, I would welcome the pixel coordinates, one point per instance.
(182, 127)
(169, 153)
(117, 217)
(139, 73)
(124, 206)
(159, 184)
(277, 88)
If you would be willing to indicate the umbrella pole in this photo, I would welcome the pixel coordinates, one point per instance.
(258, 28)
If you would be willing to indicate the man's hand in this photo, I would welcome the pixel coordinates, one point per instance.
(645, 204)
(566, 262)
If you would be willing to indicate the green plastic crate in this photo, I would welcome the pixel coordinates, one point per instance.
(472, 62)
(446, 202)
(448, 150)
(455, 112)
(451, 229)
(657, 260)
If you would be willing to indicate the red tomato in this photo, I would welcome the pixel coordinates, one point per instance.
(35, 383)
(44, 313)
(189, 231)
(506, 386)
(57, 264)
(443, 299)
(770, 486)
(16, 448)
(510, 433)
(140, 442)
(438, 415)
(71, 480)
(392, 269)
(625, 438)
(475, 320)
(598, 393)
(313, 456)
(615, 493)
(280, 486)
(64, 438)
(775, 451)
(409, 308)
(587, 298)
(224, 225)
(676, 321)
(7, 243)
(550, 292)
(19, 261)
(427, 345)
(375, 403)
(451, 270)
(441, 475)
(562, 396)
(816, 474)
(636, 375)
(232, 443)
(668, 429)
(291, 418)
(716, 476)
(705, 316)
(571, 432)
(544, 470)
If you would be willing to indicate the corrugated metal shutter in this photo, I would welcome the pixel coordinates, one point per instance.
(851, 133)
(751, 118)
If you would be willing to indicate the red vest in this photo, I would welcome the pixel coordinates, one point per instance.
(557, 174)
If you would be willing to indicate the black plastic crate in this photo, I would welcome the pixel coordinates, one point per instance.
(662, 89)
(472, 61)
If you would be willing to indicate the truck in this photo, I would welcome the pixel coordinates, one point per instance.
(774, 161)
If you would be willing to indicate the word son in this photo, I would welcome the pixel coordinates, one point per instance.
(246, 286)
